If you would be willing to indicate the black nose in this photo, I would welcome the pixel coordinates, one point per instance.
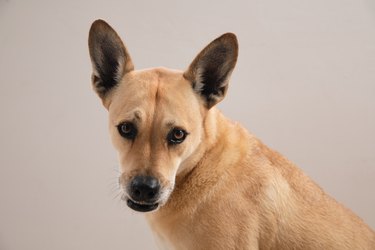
(144, 189)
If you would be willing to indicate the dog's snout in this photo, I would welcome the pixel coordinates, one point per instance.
(144, 188)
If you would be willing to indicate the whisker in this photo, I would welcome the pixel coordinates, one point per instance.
(114, 187)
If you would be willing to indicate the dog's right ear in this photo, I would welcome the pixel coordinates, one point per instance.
(109, 57)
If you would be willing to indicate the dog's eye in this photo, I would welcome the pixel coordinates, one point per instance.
(127, 130)
(176, 136)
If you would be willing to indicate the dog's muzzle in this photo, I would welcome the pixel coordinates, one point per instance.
(144, 192)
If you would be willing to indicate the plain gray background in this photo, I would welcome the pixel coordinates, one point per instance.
(304, 84)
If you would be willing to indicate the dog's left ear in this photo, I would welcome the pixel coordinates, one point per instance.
(210, 71)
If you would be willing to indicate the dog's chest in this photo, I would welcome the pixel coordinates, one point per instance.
(169, 231)
(162, 243)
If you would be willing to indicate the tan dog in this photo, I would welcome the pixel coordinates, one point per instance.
(208, 182)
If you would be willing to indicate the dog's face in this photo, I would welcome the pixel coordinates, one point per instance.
(156, 116)
(155, 124)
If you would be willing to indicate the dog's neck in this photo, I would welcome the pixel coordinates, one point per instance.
(209, 139)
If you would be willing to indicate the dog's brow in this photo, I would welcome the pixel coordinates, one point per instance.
(170, 124)
(138, 115)
(134, 116)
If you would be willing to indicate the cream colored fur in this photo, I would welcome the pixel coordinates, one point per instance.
(222, 188)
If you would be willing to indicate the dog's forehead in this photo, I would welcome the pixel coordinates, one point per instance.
(143, 91)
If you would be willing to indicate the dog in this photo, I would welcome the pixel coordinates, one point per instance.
(203, 181)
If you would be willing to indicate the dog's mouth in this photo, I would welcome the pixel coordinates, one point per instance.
(140, 207)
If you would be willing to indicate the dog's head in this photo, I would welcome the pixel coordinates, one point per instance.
(156, 116)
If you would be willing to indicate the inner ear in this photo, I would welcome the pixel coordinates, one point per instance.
(210, 71)
(109, 57)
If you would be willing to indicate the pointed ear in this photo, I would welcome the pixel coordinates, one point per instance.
(210, 71)
(109, 57)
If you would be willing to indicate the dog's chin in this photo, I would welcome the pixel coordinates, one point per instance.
(141, 207)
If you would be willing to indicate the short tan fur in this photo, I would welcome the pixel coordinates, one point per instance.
(204, 181)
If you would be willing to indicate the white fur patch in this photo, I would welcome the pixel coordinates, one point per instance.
(119, 69)
(278, 195)
(199, 80)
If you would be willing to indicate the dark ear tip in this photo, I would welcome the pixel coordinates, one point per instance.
(98, 25)
(99, 21)
(99, 30)
(229, 38)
